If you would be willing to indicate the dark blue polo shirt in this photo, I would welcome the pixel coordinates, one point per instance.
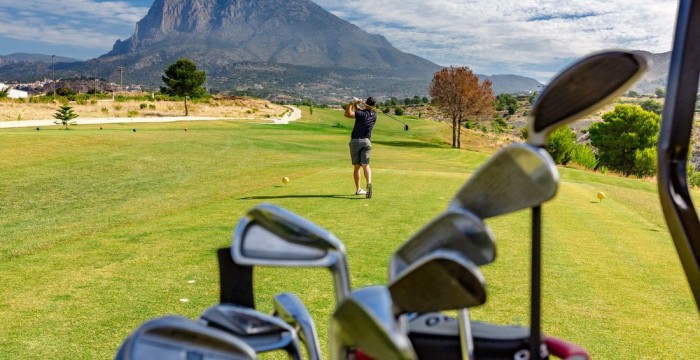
(364, 122)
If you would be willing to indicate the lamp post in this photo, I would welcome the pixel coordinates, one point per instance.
(53, 76)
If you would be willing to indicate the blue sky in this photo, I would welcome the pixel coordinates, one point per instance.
(533, 38)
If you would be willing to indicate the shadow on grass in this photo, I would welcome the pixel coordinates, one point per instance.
(344, 197)
(417, 144)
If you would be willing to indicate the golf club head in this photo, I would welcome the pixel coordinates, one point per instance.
(176, 338)
(262, 332)
(365, 320)
(517, 177)
(455, 229)
(441, 280)
(272, 236)
(582, 88)
(291, 310)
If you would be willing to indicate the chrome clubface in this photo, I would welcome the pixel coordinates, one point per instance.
(262, 332)
(517, 177)
(291, 310)
(365, 320)
(175, 338)
(582, 88)
(271, 236)
(441, 280)
(456, 229)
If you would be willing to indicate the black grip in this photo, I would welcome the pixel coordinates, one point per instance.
(235, 281)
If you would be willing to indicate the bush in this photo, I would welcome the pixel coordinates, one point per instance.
(645, 162)
(524, 132)
(623, 131)
(499, 125)
(398, 111)
(584, 155)
(132, 113)
(104, 110)
(693, 177)
(652, 105)
(560, 144)
(143, 106)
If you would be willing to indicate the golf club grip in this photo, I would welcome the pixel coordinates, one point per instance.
(235, 281)
(565, 350)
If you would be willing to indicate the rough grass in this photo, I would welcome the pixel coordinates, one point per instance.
(13, 109)
(103, 229)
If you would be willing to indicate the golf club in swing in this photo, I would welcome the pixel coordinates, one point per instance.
(405, 126)
(578, 90)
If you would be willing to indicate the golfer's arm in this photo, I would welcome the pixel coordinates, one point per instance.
(350, 110)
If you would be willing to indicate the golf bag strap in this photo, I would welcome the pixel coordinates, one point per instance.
(235, 281)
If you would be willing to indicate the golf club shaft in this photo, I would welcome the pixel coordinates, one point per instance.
(466, 338)
(535, 282)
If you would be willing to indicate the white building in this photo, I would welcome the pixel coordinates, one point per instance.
(14, 94)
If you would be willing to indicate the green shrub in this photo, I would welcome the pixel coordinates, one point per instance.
(117, 107)
(645, 162)
(693, 176)
(143, 106)
(623, 131)
(132, 113)
(524, 132)
(499, 125)
(104, 110)
(560, 144)
(584, 155)
(152, 106)
(398, 111)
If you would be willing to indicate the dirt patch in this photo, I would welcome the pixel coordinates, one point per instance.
(11, 109)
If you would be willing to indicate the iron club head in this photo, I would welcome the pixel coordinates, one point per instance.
(441, 280)
(366, 320)
(455, 229)
(262, 332)
(175, 337)
(291, 310)
(582, 88)
(517, 177)
(272, 236)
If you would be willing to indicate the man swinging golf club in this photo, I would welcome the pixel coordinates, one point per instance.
(360, 144)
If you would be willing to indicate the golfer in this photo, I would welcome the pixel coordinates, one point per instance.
(360, 144)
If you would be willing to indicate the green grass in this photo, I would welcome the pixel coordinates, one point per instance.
(102, 229)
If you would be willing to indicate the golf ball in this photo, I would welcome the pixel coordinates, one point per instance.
(285, 180)
(601, 195)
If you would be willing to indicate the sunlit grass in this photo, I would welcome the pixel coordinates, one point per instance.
(103, 229)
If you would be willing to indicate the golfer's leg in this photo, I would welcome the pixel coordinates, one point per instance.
(356, 176)
(368, 173)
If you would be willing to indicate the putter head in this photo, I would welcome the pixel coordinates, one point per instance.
(272, 236)
(175, 337)
(291, 310)
(455, 229)
(517, 177)
(441, 280)
(262, 332)
(365, 320)
(582, 88)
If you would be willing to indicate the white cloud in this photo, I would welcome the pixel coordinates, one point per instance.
(509, 36)
(112, 12)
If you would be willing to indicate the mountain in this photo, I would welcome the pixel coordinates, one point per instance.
(656, 75)
(33, 58)
(279, 49)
